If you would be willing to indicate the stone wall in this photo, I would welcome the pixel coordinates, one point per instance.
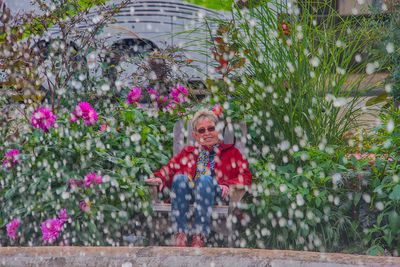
(172, 256)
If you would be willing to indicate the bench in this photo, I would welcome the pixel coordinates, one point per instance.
(223, 215)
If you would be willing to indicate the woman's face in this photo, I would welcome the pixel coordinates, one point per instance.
(206, 133)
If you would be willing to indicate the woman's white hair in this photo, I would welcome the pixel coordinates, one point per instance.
(201, 115)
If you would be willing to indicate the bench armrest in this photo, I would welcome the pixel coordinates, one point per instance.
(236, 193)
(154, 193)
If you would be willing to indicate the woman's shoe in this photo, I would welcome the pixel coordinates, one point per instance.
(198, 241)
(180, 240)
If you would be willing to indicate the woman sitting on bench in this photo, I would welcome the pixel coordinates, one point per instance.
(201, 174)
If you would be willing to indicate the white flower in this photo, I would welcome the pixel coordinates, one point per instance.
(300, 200)
(283, 188)
(371, 67)
(390, 48)
(390, 126)
(314, 62)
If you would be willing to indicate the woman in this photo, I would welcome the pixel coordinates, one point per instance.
(200, 174)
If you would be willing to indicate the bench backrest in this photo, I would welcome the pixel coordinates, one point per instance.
(231, 132)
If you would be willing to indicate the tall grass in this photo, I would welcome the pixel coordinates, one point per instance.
(294, 87)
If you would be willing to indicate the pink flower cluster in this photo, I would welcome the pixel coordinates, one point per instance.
(88, 180)
(92, 178)
(159, 100)
(75, 182)
(85, 111)
(63, 215)
(179, 94)
(103, 127)
(12, 228)
(11, 158)
(134, 95)
(43, 118)
(51, 228)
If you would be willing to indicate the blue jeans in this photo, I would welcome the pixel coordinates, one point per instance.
(203, 193)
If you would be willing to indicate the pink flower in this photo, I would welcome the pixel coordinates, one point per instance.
(74, 182)
(43, 118)
(171, 105)
(92, 178)
(51, 229)
(12, 153)
(12, 228)
(179, 94)
(85, 111)
(11, 158)
(103, 127)
(73, 118)
(153, 93)
(85, 205)
(63, 215)
(218, 110)
(7, 164)
(161, 101)
(370, 156)
(134, 95)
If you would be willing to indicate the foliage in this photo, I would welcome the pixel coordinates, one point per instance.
(217, 5)
(132, 144)
(304, 208)
(332, 199)
(389, 51)
(381, 234)
(333, 202)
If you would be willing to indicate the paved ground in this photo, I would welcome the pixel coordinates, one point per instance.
(172, 256)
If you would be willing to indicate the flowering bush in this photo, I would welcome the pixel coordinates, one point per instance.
(94, 172)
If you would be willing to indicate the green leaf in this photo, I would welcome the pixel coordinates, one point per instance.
(357, 197)
(153, 140)
(378, 99)
(375, 250)
(394, 222)
(61, 189)
(110, 207)
(129, 115)
(92, 228)
(147, 169)
(9, 193)
(395, 194)
(318, 201)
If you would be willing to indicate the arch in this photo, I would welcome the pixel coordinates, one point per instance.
(123, 50)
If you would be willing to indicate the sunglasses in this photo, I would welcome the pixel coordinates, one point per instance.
(209, 129)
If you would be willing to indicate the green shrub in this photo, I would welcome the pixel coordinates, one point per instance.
(134, 143)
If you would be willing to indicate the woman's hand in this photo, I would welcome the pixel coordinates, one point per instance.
(224, 191)
(155, 181)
